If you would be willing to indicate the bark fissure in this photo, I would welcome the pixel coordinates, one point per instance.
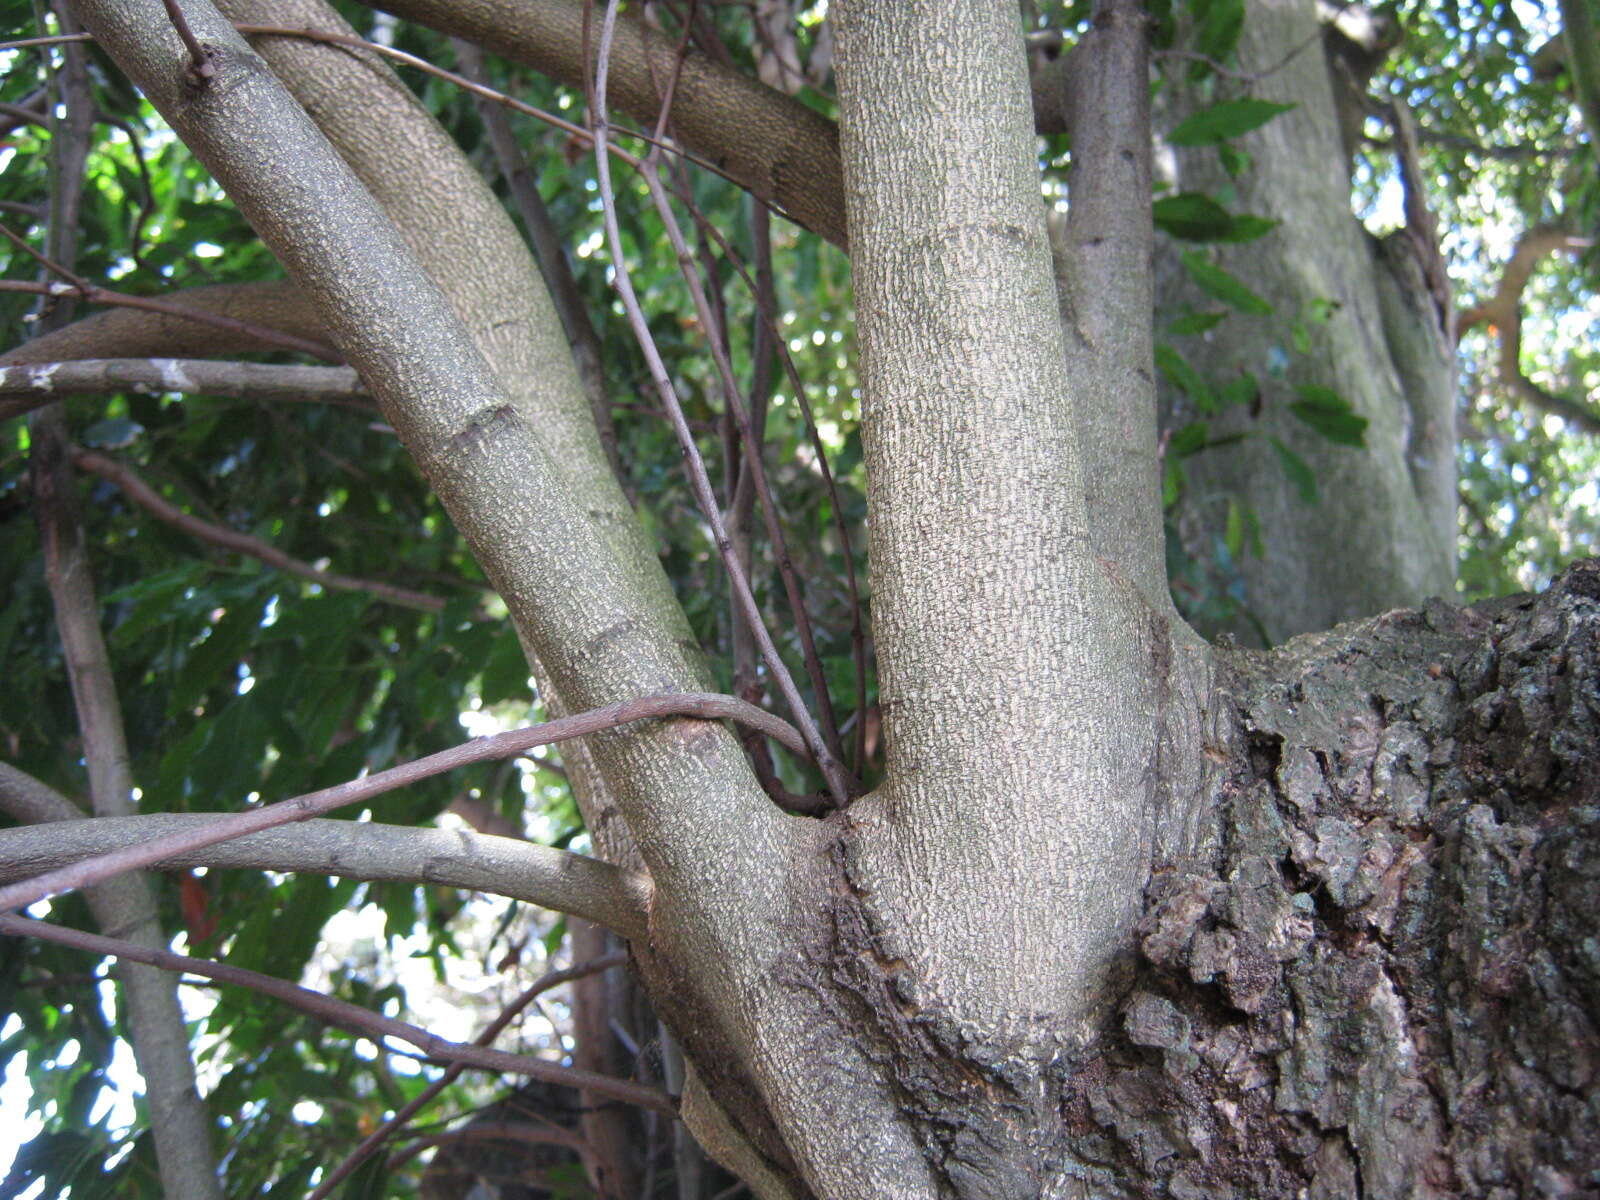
(1380, 978)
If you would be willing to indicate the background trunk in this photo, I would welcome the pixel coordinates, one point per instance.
(1383, 531)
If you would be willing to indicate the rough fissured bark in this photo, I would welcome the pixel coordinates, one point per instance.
(1375, 974)
(1380, 976)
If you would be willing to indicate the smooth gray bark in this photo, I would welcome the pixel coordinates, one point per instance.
(991, 615)
(23, 388)
(535, 874)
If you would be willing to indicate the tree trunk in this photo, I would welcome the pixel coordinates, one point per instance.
(1377, 975)
(1127, 916)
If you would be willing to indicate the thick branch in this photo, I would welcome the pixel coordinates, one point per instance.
(551, 252)
(91, 293)
(312, 804)
(520, 870)
(591, 622)
(144, 332)
(1531, 248)
(24, 388)
(1503, 313)
(992, 607)
(768, 142)
(147, 498)
(348, 1016)
(1107, 296)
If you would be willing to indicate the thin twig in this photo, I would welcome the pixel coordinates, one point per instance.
(542, 1133)
(201, 68)
(477, 89)
(348, 1016)
(584, 136)
(147, 498)
(768, 317)
(831, 769)
(26, 116)
(411, 60)
(402, 1118)
(716, 338)
(702, 705)
(52, 39)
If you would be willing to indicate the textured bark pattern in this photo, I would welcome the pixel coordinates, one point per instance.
(1382, 978)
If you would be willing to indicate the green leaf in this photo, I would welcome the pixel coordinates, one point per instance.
(1198, 217)
(1247, 227)
(1189, 439)
(1220, 285)
(1223, 121)
(153, 601)
(1321, 310)
(1299, 474)
(1253, 534)
(1243, 390)
(1330, 414)
(1171, 483)
(1185, 378)
(1219, 25)
(1233, 535)
(227, 766)
(1234, 160)
(1193, 216)
(1193, 322)
(505, 671)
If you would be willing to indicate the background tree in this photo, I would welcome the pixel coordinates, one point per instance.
(1109, 909)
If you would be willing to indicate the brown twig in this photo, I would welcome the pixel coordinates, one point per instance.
(52, 39)
(147, 498)
(477, 89)
(545, 1133)
(22, 115)
(401, 1118)
(347, 1016)
(832, 770)
(701, 705)
(201, 68)
(717, 340)
(768, 317)
(340, 39)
